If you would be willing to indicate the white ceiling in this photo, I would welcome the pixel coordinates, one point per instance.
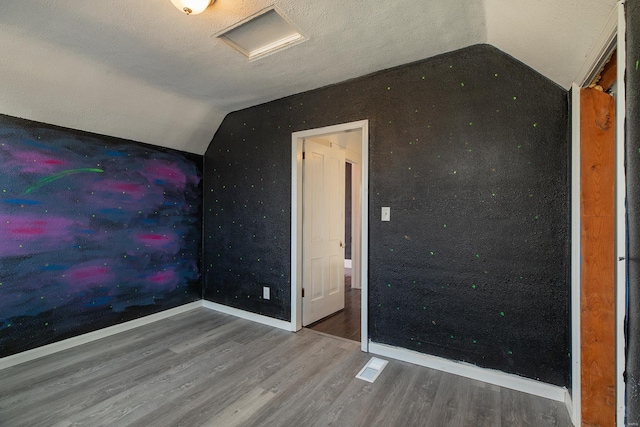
(144, 71)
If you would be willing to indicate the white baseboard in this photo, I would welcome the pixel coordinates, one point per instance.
(247, 315)
(468, 370)
(568, 401)
(26, 356)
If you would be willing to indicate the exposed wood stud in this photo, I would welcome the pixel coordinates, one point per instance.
(597, 320)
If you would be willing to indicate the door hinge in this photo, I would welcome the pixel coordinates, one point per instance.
(303, 155)
(302, 292)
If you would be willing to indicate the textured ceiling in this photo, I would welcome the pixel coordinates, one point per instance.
(142, 70)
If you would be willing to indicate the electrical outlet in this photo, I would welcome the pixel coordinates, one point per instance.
(266, 292)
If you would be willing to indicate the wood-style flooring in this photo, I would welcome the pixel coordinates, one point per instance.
(204, 368)
(346, 322)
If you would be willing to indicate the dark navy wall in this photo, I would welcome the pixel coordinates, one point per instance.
(633, 211)
(94, 231)
(470, 151)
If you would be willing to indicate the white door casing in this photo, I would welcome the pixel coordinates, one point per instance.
(296, 220)
(356, 226)
(323, 230)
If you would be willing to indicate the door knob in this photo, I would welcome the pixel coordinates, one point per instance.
(341, 244)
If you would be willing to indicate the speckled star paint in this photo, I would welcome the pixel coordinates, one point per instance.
(478, 164)
(95, 231)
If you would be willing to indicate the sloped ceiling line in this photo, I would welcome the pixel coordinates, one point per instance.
(144, 71)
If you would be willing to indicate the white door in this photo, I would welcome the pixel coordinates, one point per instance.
(323, 182)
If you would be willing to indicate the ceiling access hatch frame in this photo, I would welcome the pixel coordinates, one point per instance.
(262, 34)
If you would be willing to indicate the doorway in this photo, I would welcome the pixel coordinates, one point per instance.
(346, 322)
(352, 139)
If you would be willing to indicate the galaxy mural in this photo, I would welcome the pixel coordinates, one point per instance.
(94, 231)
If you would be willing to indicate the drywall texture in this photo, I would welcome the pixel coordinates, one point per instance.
(633, 212)
(531, 32)
(94, 231)
(158, 76)
(469, 149)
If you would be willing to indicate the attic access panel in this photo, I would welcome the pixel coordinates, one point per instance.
(261, 34)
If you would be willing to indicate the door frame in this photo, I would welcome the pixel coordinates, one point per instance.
(296, 222)
(356, 220)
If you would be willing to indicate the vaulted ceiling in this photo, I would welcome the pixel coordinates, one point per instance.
(142, 70)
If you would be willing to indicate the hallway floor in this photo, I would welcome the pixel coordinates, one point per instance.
(345, 323)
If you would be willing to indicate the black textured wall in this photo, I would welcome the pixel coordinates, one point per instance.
(469, 149)
(633, 211)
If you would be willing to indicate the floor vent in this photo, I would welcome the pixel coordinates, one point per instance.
(372, 369)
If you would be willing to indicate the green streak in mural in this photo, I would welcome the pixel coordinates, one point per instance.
(49, 179)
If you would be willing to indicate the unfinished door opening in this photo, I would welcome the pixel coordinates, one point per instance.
(599, 232)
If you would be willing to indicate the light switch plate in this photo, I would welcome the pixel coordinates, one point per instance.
(386, 213)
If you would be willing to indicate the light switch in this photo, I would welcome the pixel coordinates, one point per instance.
(386, 213)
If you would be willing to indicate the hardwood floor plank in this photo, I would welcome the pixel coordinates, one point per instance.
(414, 400)
(224, 332)
(313, 384)
(522, 409)
(274, 377)
(95, 357)
(74, 377)
(345, 323)
(169, 384)
(93, 393)
(393, 387)
(240, 411)
(452, 402)
(220, 386)
(484, 409)
(208, 369)
(96, 349)
(351, 405)
(85, 383)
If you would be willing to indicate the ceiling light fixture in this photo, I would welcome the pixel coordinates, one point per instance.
(192, 7)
